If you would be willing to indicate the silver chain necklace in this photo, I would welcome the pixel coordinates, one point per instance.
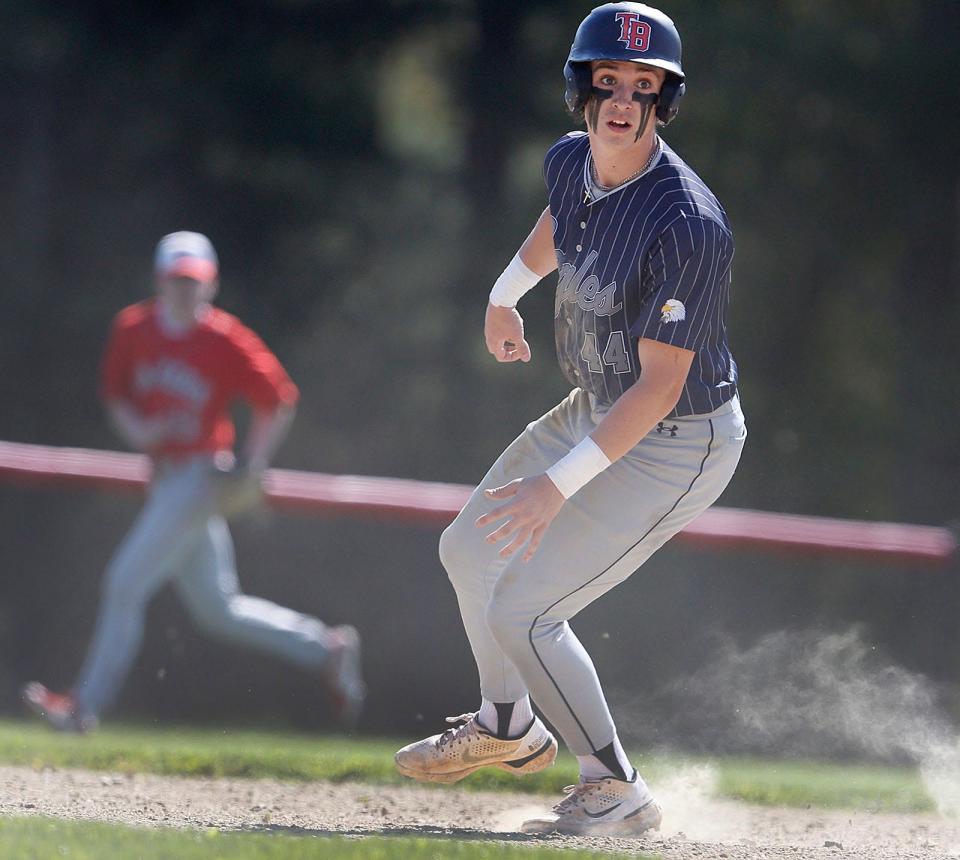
(644, 169)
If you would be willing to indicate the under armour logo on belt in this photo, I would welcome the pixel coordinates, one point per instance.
(662, 428)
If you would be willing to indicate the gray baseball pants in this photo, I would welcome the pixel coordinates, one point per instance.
(179, 538)
(516, 613)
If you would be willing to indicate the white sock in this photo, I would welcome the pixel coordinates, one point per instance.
(520, 717)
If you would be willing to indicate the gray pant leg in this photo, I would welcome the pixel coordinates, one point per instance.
(474, 566)
(210, 590)
(599, 538)
(170, 522)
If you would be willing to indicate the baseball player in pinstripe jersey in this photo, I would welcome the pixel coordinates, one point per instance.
(647, 439)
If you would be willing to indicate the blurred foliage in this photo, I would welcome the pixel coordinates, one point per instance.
(366, 172)
(365, 176)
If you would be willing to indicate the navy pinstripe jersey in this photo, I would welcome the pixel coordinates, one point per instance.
(650, 259)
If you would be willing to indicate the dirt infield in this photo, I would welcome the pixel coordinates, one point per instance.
(695, 825)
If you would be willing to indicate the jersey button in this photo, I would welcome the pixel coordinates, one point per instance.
(579, 247)
(583, 225)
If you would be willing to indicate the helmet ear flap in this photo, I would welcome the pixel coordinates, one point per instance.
(578, 79)
(668, 105)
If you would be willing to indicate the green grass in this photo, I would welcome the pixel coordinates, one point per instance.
(237, 753)
(255, 754)
(199, 752)
(44, 838)
(802, 783)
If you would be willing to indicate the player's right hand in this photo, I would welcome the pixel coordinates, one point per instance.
(181, 427)
(503, 331)
(165, 428)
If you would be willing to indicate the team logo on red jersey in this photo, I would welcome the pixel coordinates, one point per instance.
(634, 31)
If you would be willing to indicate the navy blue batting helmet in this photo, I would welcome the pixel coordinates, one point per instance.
(632, 32)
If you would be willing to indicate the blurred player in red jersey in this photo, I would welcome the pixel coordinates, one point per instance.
(172, 367)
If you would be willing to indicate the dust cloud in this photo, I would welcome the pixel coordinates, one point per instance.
(816, 695)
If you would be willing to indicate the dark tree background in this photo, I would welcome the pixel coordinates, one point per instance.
(365, 172)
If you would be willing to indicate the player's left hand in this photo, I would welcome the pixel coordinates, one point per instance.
(532, 504)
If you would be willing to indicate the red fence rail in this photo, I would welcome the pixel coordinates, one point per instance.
(435, 504)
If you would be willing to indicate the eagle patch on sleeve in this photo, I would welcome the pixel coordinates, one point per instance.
(673, 311)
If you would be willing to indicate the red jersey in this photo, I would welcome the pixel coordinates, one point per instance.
(196, 375)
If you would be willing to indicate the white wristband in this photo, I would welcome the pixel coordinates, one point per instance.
(514, 282)
(584, 462)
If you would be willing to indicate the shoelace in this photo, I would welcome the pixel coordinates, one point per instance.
(575, 796)
(459, 733)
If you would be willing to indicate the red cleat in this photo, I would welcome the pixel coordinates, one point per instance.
(58, 709)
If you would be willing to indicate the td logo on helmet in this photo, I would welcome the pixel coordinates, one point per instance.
(634, 31)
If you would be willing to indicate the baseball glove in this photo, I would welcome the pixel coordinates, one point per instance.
(237, 491)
